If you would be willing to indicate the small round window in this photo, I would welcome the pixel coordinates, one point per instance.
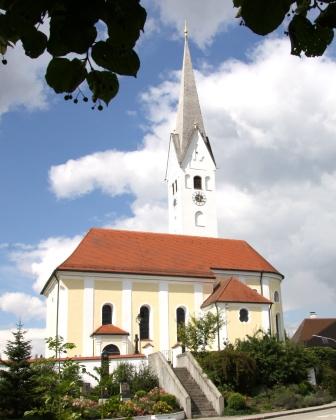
(243, 315)
(276, 296)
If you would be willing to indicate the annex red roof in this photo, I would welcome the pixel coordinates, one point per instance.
(122, 251)
(233, 290)
(109, 329)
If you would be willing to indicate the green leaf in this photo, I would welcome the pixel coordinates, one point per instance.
(327, 17)
(34, 42)
(121, 61)
(103, 84)
(64, 75)
(264, 16)
(308, 38)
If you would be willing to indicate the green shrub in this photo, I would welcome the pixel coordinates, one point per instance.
(285, 398)
(141, 393)
(277, 362)
(170, 400)
(229, 368)
(328, 380)
(236, 401)
(162, 407)
(143, 380)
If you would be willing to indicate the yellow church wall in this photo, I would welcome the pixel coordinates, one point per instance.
(254, 283)
(179, 295)
(107, 291)
(147, 294)
(75, 314)
(238, 330)
(207, 290)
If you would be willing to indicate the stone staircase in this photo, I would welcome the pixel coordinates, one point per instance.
(200, 406)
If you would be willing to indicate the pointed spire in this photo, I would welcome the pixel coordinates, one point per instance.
(189, 113)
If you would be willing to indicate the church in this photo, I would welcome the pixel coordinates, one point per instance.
(125, 292)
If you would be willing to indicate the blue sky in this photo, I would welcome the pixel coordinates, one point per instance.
(271, 121)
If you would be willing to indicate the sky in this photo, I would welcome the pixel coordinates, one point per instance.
(271, 120)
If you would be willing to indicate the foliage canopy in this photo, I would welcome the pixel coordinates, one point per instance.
(88, 41)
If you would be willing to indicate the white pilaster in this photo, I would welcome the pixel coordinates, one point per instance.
(63, 313)
(163, 317)
(126, 308)
(88, 316)
(198, 297)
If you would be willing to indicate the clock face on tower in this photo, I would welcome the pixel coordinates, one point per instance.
(199, 198)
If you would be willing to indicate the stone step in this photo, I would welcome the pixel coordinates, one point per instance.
(200, 406)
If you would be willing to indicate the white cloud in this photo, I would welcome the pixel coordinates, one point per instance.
(39, 261)
(273, 135)
(35, 335)
(204, 20)
(22, 305)
(22, 82)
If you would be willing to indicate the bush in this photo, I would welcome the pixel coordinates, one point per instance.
(277, 362)
(141, 393)
(285, 398)
(229, 368)
(162, 407)
(170, 400)
(236, 401)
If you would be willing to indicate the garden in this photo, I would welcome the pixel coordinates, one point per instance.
(46, 389)
(262, 374)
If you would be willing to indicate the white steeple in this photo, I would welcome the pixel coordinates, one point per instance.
(191, 164)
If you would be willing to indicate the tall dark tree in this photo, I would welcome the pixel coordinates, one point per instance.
(16, 383)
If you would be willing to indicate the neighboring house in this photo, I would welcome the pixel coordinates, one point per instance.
(316, 331)
(118, 284)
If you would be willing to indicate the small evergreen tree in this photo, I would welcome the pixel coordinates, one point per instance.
(16, 382)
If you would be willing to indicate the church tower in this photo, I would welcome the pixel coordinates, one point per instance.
(191, 164)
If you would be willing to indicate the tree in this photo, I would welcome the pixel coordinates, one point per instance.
(57, 383)
(16, 382)
(77, 27)
(199, 332)
(311, 22)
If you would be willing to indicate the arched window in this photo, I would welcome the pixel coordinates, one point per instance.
(277, 326)
(111, 349)
(208, 183)
(199, 219)
(187, 181)
(107, 314)
(144, 323)
(276, 296)
(180, 320)
(197, 182)
(243, 315)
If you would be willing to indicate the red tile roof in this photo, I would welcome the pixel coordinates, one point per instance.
(122, 251)
(324, 327)
(109, 329)
(233, 290)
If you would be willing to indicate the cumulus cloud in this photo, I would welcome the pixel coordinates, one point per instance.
(40, 260)
(35, 335)
(273, 138)
(204, 20)
(21, 82)
(23, 306)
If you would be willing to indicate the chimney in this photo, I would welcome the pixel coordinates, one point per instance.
(312, 315)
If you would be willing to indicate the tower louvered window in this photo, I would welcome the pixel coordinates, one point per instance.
(197, 183)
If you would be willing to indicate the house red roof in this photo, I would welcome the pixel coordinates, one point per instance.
(109, 329)
(233, 290)
(323, 327)
(122, 251)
